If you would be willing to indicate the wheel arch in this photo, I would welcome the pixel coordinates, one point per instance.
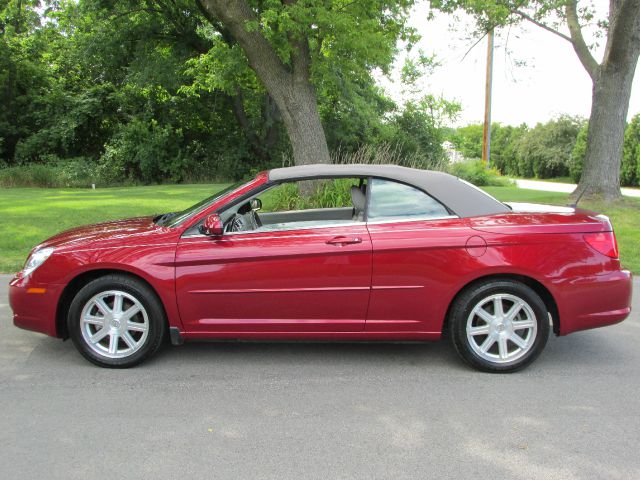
(82, 279)
(532, 283)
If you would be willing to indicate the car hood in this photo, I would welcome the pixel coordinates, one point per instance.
(112, 233)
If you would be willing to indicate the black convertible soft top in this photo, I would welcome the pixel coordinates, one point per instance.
(462, 198)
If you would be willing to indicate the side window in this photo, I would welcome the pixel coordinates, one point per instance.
(391, 200)
(309, 194)
(300, 204)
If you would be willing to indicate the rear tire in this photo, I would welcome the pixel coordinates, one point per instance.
(116, 321)
(499, 326)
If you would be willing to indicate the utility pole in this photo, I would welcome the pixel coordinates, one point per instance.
(486, 131)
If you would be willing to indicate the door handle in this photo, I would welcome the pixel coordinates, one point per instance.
(342, 240)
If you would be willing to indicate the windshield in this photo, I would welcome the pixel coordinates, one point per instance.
(179, 217)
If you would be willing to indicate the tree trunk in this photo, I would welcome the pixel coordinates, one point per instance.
(612, 80)
(299, 111)
(288, 85)
(610, 104)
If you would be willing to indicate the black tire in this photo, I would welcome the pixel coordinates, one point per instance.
(154, 321)
(480, 292)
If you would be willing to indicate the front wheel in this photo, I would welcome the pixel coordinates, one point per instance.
(116, 321)
(499, 325)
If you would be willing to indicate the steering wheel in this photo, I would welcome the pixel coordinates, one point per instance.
(236, 224)
(243, 222)
(245, 219)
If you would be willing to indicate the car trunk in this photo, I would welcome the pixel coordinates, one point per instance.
(535, 218)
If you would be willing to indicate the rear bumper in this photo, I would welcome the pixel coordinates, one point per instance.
(595, 301)
(34, 305)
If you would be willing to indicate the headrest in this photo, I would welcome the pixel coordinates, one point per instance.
(358, 198)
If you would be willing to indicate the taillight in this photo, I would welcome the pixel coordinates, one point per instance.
(603, 242)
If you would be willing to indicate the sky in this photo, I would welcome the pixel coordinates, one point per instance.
(552, 82)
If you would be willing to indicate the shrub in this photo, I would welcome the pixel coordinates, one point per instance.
(75, 172)
(327, 194)
(578, 153)
(474, 171)
(143, 151)
(79, 172)
(35, 175)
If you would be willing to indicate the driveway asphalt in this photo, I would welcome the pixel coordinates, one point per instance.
(224, 410)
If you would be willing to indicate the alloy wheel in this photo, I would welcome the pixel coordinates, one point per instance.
(501, 328)
(114, 324)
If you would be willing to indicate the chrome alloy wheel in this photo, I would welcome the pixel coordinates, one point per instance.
(114, 324)
(501, 328)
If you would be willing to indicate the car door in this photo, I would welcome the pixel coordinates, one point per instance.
(313, 279)
(418, 247)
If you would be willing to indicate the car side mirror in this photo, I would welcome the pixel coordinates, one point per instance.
(256, 204)
(212, 226)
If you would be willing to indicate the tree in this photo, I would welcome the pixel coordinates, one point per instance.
(545, 150)
(611, 78)
(156, 90)
(98, 82)
(289, 43)
(468, 140)
(417, 131)
(631, 154)
(578, 153)
(23, 74)
(505, 141)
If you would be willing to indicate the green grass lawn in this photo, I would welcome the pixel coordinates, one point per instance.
(30, 215)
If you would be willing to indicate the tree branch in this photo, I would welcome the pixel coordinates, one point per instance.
(224, 33)
(474, 44)
(495, 25)
(300, 53)
(235, 14)
(259, 147)
(529, 18)
(270, 114)
(300, 59)
(241, 116)
(131, 12)
(577, 40)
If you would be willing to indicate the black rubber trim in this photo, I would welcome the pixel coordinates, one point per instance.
(174, 334)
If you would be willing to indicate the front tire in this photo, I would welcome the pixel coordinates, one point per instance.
(116, 321)
(499, 325)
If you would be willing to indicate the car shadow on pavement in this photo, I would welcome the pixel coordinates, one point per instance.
(599, 348)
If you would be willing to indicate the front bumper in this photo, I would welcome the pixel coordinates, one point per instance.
(34, 305)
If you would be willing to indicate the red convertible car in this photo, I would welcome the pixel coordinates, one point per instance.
(410, 255)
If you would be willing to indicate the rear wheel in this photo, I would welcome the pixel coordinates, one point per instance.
(499, 325)
(116, 321)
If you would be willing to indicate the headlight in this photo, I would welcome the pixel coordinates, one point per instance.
(36, 259)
